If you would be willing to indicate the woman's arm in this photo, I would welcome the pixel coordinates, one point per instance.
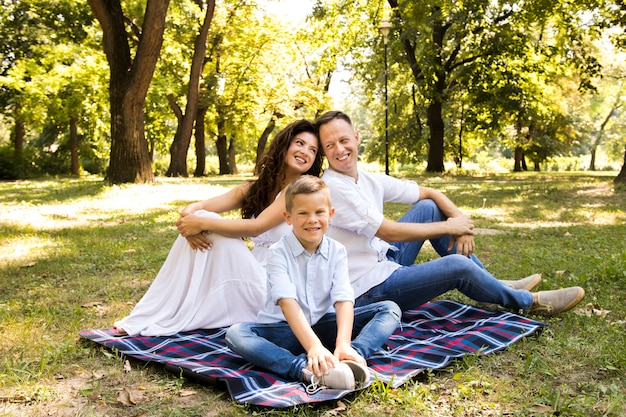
(272, 216)
(230, 200)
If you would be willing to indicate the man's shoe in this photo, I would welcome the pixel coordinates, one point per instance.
(550, 303)
(527, 283)
(340, 377)
(361, 372)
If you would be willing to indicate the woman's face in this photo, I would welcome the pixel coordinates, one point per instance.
(301, 153)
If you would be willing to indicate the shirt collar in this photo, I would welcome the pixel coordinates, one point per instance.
(297, 249)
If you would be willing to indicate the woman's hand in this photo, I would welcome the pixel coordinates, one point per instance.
(199, 242)
(189, 224)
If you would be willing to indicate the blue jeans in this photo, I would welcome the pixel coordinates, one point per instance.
(274, 346)
(412, 284)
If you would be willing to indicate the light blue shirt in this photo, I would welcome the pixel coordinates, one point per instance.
(315, 280)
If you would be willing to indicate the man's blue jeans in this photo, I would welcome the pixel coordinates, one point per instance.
(412, 284)
(274, 346)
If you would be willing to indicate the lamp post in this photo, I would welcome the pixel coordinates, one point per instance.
(385, 28)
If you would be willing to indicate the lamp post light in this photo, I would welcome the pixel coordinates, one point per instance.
(385, 28)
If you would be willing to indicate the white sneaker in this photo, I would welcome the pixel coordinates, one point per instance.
(361, 372)
(340, 377)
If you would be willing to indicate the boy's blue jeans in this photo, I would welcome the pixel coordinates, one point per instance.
(274, 346)
(415, 284)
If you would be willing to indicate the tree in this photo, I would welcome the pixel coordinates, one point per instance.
(620, 180)
(182, 139)
(129, 82)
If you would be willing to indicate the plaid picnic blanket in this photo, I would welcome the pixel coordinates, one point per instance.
(428, 338)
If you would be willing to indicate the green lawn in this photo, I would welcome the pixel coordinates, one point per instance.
(77, 254)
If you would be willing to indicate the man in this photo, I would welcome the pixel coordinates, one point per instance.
(381, 252)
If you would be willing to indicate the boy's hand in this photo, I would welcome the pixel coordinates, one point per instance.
(347, 352)
(320, 360)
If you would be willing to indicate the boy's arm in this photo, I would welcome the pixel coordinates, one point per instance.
(320, 358)
(345, 320)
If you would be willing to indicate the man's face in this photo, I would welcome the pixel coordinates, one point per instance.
(340, 144)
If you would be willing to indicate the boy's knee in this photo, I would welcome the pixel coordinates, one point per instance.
(233, 333)
(392, 308)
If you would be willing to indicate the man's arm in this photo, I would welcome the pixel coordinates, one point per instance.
(458, 226)
(320, 358)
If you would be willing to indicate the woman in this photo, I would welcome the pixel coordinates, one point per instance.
(210, 278)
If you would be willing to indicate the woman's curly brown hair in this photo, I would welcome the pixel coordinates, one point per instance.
(263, 191)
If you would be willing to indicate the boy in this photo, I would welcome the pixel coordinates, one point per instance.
(310, 303)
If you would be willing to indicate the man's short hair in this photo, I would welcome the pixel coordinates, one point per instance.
(329, 116)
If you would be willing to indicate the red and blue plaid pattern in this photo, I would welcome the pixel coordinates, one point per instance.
(429, 338)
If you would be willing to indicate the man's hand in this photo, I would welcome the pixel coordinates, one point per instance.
(464, 244)
(460, 225)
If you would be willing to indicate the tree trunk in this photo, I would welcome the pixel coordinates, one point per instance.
(436, 127)
(520, 163)
(182, 139)
(621, 177)
(232, 157)
(600, 134)
(200, 143)
(434, 110)
(129, 82)
(18, 139)
(74, 146)
(592, 161)
(260, 148)
(220, 145)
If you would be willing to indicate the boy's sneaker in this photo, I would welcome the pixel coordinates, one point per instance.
(340, 377)
(550, 303)
(361, 372)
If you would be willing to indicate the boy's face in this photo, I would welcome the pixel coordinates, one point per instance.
(309, 217)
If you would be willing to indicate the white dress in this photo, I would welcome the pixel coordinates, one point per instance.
(204, 290)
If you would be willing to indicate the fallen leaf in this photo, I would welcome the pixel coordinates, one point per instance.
(130, 251)
(187, 393)
(594, 310)
(124, 397)
(93, 304)
(340, 407)
(28, 265)
(561, 272)
(127, 367)
(99, 374)
(543, 409)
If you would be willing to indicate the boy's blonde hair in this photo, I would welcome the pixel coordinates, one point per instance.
(305, 184)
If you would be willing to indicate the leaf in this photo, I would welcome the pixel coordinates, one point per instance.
(125, 397)
(543, 409)
(127, 367)
(28, 265)
(187, 393)
(340, 407)
(93, 304)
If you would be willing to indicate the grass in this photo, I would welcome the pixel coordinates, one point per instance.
(77, 254)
